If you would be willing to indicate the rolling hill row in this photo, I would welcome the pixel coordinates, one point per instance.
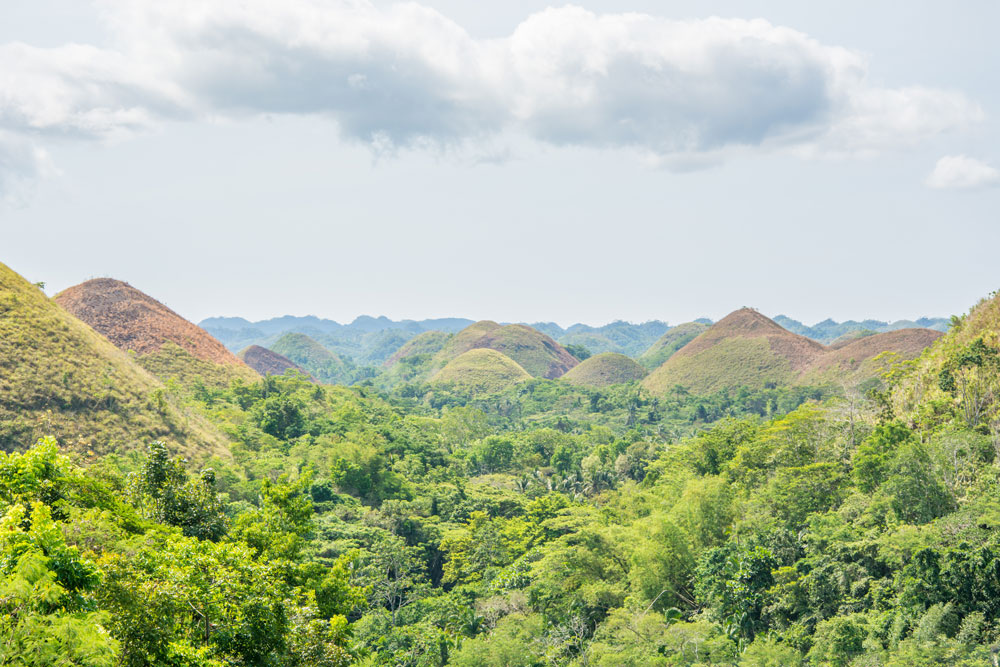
(373, 340)
(101, 357)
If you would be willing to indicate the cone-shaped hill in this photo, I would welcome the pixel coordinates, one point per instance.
(744, 348)
(481, 371)
(59, 377)
(664, 348)
(323, 364)
(535, 352)
(268, 362)
(748, 349)
(164, 342)
(604, 370)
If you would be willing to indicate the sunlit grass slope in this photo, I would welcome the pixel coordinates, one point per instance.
(482, 371)
(59, 377)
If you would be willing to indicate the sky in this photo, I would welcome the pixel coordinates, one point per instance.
(514, 160)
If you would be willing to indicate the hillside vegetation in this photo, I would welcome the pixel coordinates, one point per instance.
(490, 518)
(59, 377)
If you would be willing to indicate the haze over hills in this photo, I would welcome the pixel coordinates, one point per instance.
(376, 340)
(828, 330)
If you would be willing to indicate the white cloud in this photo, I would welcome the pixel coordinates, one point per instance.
(960, 172)
(677, 92)
(21, 164)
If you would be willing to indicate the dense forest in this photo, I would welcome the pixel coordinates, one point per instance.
(430, 521)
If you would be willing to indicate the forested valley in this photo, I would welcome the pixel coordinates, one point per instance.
(758, 498)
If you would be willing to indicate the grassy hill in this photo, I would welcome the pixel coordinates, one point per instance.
(748, 349)
(60, 377)
(481, 371)
(163, 342)
(745, 348)
(605, 370)
(867, 357)
(268, 362)
(535, 352)
(669, 343)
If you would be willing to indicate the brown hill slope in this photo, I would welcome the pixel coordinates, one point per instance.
(535, 352)
(133, 320)
(59, 377)
(604, 370)
(268, 362)
(165, 343)
(744, 348)
(863, 358)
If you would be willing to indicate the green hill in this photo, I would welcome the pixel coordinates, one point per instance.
(605, 370)
(323, 364)
(59, 377)
(669, 343)
(535, 352)
(482, 371)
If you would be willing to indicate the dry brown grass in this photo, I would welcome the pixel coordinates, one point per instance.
(135, 321)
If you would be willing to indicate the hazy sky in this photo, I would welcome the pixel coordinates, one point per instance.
(506, 160)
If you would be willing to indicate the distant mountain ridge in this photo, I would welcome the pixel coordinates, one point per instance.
(829, 330)
(374, 341)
